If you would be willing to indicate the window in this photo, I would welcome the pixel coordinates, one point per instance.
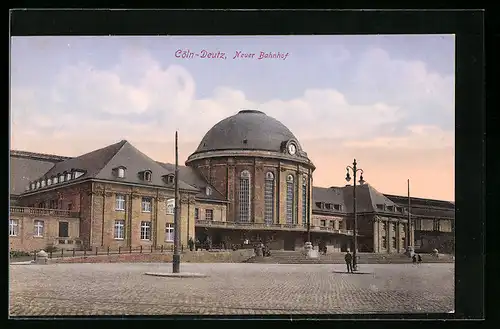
(390, 208)
(328, 206)
(208, 190)
(120, 202)
(42, 205)
(146, 205)
(394, 242)
(244, 196)
(49, 181)
(55, 180)
(78, 174)
(145, 230)
(417, 224)
(170, 179)
(63, 229)
(290, 200)
(337, 207)
(436, 224)
(169, 232)
(403, 241)
(13, 227)
(37, 184)
(121, 172)
(399, 209)
(385, 227)
(70, 206)
(380, 206)
(53, 204)
(269, 198)
(120, 230)
(33, 186)
(322, 222)
(304, 199)
(38, 228)
(384, 242)
(170, 206)
(393, 227)
(196, 214)
(61, 178)
(147, 176)
(68, 176)
(319, 205)
(43, 183)
(332, 223)
(209, 214)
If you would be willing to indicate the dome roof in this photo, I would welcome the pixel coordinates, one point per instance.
(247, 130)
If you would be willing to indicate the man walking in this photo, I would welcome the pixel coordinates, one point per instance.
(348, 261)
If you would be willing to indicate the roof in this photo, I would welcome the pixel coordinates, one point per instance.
(367, 198)
(420, 201)
(247, 130)
(193, 178)
(99, 164)
(23, 170)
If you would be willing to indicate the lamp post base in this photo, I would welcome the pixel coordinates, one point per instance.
(309, 251)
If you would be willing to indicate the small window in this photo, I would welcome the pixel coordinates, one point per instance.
(49, 182)
(323, 222)
(13, 227)
(78, 174)
(337, 207)
(399, 209)
(119, 233)
(170, 206)
(33, 186)
(380, 206)
(68, 176)
(209, 214)
(170, 179)
(269, 176)
(319, 205)
(53, 204)
(208, 190)
(147, 176)
(55, 180)
(390, 208)
(43, 183)
(121, 172)
(120, 202)
(328, 206)
(145, 230)
(70, 206)
(169, 232)
(394, 242)
(39, 225)
(196, 214)
(61, 178)
(332, 223)
(384, 242)
(146, 205)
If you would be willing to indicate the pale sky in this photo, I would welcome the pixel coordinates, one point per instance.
(387, 101)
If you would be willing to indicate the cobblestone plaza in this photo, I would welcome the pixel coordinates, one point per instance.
(123, 289)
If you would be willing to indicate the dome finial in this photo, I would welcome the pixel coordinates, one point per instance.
(250, 111)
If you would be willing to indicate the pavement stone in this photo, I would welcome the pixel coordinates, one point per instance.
(123, 289)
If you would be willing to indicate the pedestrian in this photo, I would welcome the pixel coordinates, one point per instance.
(414, 259)
(419, 259)
(348, 261)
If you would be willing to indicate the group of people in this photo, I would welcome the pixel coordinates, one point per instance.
(416, 258)
(349, 259)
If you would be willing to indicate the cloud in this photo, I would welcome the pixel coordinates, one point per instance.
(140, 100)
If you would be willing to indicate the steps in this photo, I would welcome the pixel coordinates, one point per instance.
(297, 257)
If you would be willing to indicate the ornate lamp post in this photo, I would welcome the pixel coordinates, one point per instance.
(354, 170)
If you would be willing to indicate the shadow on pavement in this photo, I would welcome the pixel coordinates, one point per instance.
(344, 272)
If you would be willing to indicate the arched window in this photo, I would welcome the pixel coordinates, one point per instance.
(304, 199)
(290, 199)
(269, 198)
(244, 196)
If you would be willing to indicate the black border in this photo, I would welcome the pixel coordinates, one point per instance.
(467, 25)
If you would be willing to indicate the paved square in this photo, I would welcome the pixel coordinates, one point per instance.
(123, 289)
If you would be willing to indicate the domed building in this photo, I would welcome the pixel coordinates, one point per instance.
(259, 166)
(248, 181)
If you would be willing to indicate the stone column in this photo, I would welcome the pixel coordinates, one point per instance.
(388, 235)
(376, 237)
(398, 237)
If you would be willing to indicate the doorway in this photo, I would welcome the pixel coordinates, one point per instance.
(63, 229)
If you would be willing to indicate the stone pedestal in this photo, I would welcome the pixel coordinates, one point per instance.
(309, 251)
(42, 258)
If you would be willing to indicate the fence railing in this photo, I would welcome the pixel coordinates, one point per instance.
(43, 212)
(264, 226)
(106, 251)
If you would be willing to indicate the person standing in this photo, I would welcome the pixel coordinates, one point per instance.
(348, 261)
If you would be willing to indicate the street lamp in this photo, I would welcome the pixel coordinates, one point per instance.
(354, 170)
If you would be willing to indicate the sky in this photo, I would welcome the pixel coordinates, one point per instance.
(386, 100)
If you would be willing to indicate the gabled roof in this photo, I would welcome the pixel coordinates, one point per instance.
(193, 178)
(99, 164)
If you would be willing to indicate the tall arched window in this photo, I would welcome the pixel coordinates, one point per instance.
(304, 199)
(244, 196)
(290, 199)
(269, 198)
